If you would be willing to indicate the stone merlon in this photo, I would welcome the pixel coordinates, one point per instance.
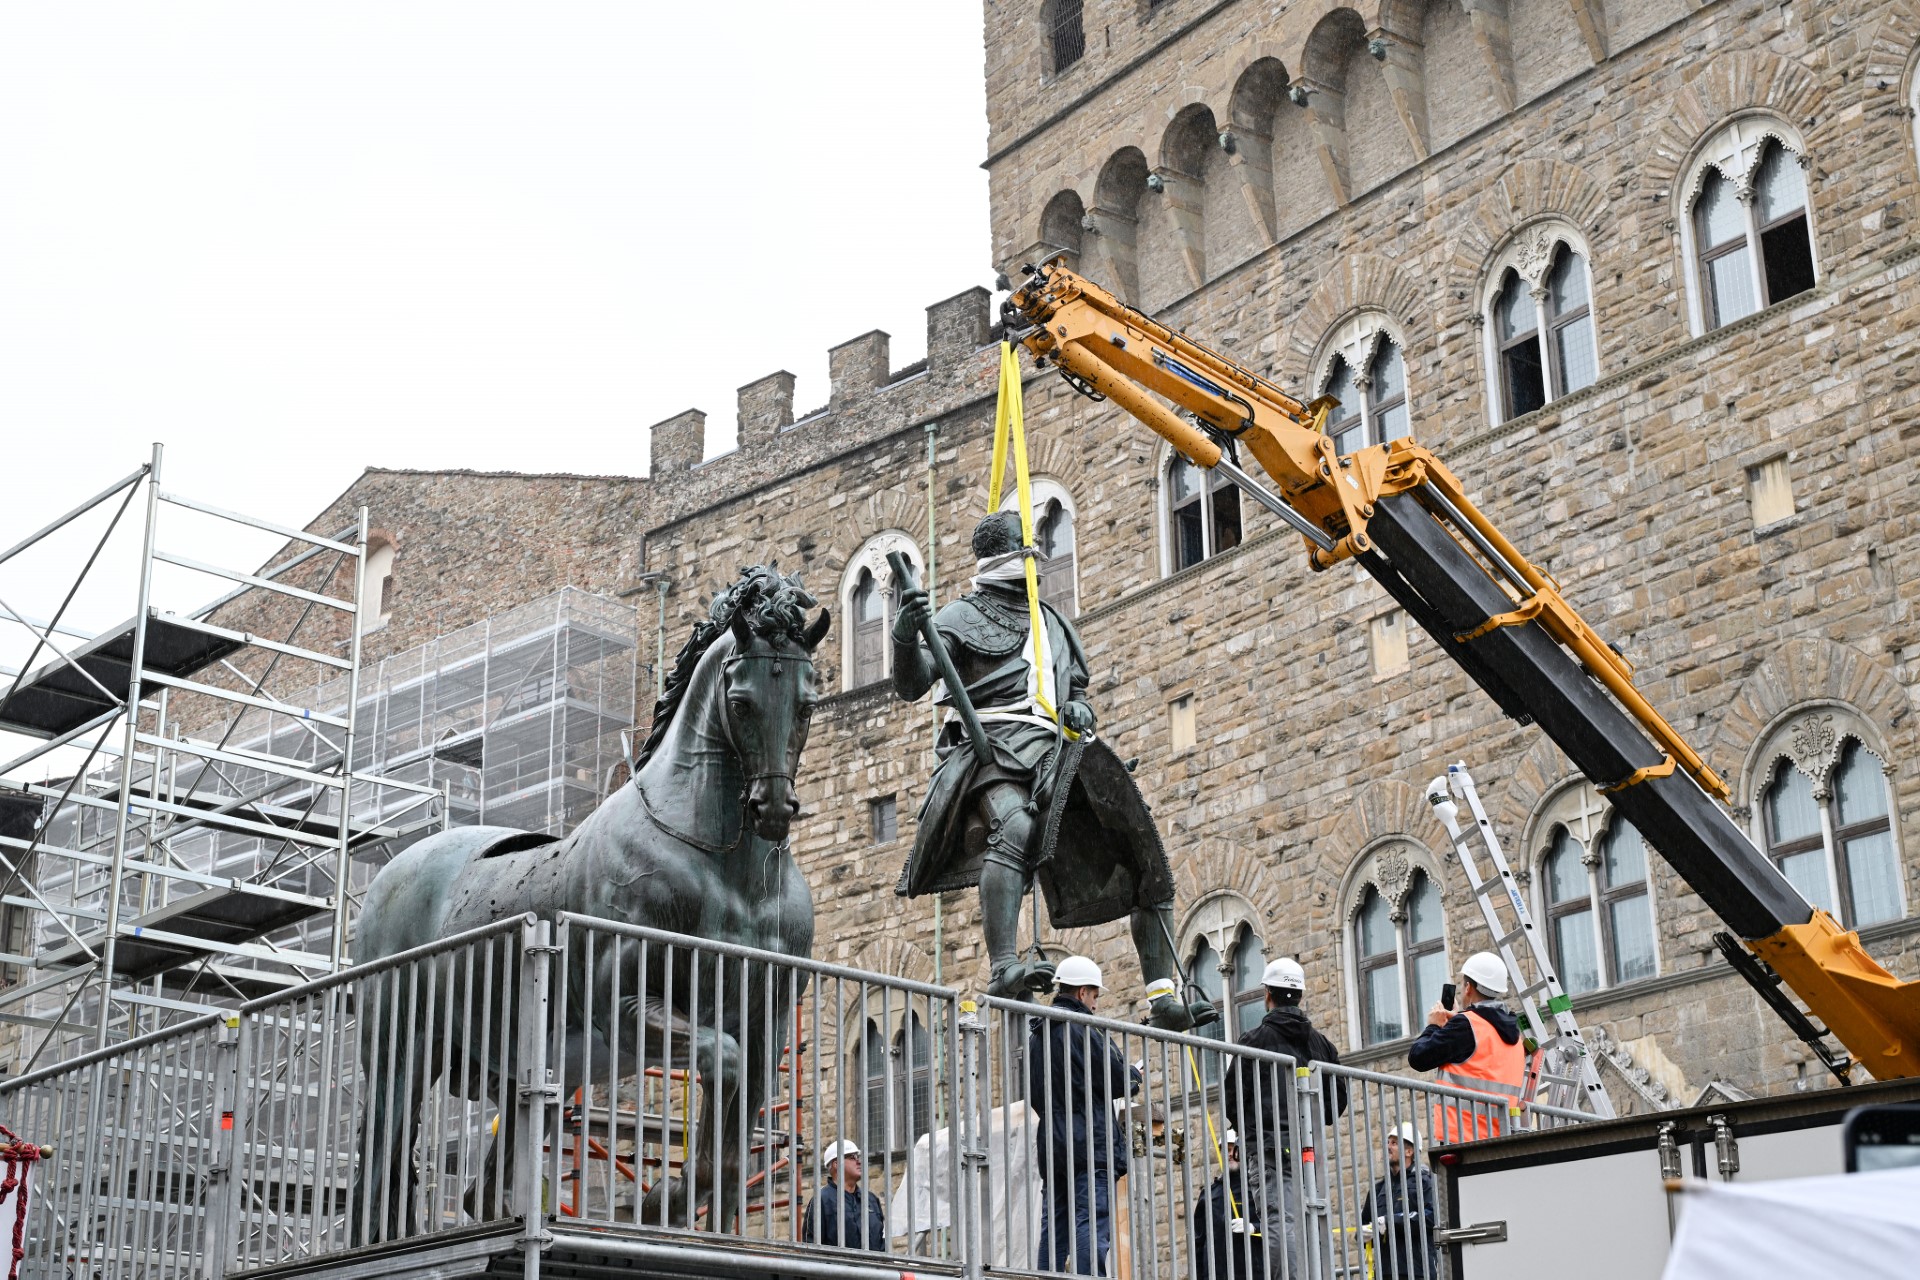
(679, 442)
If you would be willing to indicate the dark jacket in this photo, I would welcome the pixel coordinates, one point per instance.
(1219, 1252)
(1074, 1076)
(1249, 1090)
(835, 1217)
(1404, 1249)
(1452, 1041)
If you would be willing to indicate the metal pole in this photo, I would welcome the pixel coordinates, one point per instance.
(660, 642)
(538, 1090)
(122, 814)
(343, 867)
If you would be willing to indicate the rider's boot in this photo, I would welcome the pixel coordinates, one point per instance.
(1003, 886)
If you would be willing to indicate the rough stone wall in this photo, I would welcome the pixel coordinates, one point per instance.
(1633, 492)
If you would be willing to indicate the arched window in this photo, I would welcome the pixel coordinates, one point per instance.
(1540, 320)
(1227, 961)
(1747, 221)
(1399, 950)
(1053, 540)
(870, 1068)
(867, 602)
(1066, 36)
(1571, 938)
(1249, 996)
(376, 587)
(1597, 894)
(872, 615)
(1369, 379)
(1382, 1008)
(913, 1110)
(1203, 971)
(1833, 837)
(1203, 514)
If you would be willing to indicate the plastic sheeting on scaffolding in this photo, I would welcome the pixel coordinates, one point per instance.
(1011, 1214)
(1864, 1225)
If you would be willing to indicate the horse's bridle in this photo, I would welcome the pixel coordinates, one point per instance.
(776, 659)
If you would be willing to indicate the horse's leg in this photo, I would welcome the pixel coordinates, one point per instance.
(715, 1057)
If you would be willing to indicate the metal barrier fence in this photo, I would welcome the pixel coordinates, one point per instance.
(703, 1086)
(253, 1137)
(666, 1093)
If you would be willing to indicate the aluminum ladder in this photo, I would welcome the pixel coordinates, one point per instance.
(1567, 1074)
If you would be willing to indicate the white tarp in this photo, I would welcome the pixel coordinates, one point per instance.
(1012, 1211)
(1859, 1225)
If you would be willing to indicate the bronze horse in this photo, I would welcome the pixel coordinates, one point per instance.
(695, 844)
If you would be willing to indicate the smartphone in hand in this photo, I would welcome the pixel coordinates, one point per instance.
(1446, 995)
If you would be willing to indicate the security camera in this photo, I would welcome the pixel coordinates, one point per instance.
(1298, 93)
(1228, 143)
(1156, 183)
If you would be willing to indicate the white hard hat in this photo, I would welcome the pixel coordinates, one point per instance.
(1078, 971)
(1233, 1138)
(837, 1150)
(1285, 974)
(1487, 972)
(1406, 1134)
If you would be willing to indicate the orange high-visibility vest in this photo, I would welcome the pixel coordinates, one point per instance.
(1496, 1069)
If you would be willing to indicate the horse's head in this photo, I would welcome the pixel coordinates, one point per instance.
(769, 696)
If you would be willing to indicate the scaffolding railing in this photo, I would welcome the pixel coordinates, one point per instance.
(202, 848)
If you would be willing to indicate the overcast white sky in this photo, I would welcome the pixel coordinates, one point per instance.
(292, 241)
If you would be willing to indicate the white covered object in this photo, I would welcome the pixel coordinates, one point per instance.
(1859, 1225)
(1012, 1211)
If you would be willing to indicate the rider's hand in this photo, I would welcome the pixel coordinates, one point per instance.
(911, 615)
(1077, 716)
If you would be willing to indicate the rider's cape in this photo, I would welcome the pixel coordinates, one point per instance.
(1096, 850)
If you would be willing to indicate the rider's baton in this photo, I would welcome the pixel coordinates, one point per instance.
(943, 663)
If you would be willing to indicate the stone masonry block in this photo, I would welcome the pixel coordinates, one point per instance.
(857, 367)
(679, 442)
(766, 405)
(957, 328)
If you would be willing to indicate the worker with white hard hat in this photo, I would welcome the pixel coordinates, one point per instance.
(1257, 1096)
(1475, 1048)
(1075, 1075)
(1227, 1244)
(1403, 1210)
(842, 1213)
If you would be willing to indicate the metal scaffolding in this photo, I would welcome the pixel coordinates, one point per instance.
(198, 852)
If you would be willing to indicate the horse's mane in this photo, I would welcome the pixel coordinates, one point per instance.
(772, 604)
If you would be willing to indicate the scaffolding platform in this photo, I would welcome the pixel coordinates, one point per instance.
(55, 699)
(211, 922)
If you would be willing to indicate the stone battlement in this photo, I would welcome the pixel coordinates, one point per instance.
(867, 398)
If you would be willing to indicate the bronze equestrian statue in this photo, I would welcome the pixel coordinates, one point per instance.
(696, 843)
(1041, 807)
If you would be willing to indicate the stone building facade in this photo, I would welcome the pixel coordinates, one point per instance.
(1553, 239)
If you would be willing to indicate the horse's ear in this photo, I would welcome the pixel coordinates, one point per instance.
(742, 633)
(818, 631)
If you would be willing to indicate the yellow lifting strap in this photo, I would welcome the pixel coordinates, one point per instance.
(1009, 428)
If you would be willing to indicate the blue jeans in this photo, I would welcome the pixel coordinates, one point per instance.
(1076, 1226)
